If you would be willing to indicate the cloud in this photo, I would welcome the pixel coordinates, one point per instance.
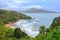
(44, 0)
(35, 6)
(24, 4)
(19, 4)
(32, 6)
(20, 1)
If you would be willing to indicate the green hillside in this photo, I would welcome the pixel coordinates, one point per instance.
(51, 33)
(8, 16)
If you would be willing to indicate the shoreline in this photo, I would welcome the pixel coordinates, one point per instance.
(10, 24)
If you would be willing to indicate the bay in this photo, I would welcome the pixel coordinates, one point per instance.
(31, 27)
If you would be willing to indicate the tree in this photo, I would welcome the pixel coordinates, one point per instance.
(47, 30)
(11, 16)
(55, 23)
(18, 33)
(54, 35)
(42, 29)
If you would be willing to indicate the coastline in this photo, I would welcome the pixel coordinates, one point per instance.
(10, 24)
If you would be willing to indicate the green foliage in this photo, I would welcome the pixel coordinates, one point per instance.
(56, 22)
(9, 33)
(18, 33)
(40, 37)
(54, 35)
(5, 33)
(42, 29)
(11, 16)
(48, 30)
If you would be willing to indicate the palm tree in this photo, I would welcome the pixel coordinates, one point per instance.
(42, 29)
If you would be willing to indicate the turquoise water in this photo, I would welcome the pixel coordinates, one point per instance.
(44, 18)
(31, 27)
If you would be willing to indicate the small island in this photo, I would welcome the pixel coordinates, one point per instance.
(37, 10)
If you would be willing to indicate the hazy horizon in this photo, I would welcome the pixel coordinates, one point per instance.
(52, 5)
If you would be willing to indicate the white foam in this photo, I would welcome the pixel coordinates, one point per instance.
(27, 27)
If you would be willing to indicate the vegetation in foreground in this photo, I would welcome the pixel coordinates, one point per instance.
(51, 33)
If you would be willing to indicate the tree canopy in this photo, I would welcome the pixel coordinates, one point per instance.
(56, 22)
(8, 16)
(18, 33)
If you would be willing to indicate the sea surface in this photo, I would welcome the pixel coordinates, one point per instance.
(31, 27)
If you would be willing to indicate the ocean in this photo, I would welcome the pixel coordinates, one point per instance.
(31, 27)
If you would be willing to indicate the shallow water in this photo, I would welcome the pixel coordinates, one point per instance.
(31, 27)
(44, 18)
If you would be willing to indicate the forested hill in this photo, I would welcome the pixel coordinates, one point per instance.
(8, 16)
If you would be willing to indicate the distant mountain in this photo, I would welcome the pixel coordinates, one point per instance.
(35, 10)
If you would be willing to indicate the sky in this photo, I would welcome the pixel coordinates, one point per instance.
(53, 5)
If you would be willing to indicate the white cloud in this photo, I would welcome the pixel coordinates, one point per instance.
(20, 1)
(19, 4)
(35, 6)
(24, 7)
(15, 4)
(44, 0)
